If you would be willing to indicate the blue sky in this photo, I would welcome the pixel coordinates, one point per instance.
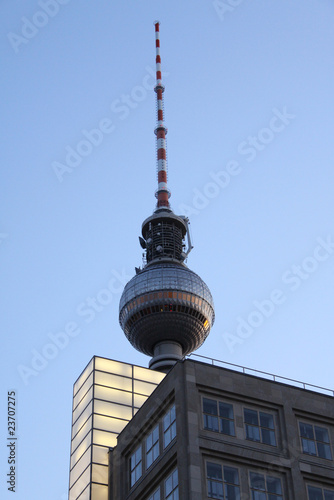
(248, 106)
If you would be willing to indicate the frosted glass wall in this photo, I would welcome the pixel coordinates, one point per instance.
(105, 397)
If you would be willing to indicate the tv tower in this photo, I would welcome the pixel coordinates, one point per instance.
(166, 310)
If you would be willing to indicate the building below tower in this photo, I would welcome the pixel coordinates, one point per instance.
(202, 432)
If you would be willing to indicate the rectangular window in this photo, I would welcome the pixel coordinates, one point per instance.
(172, 486)
(169, 426)
(152, 447)
(259, 426)
(155, 496)
(265, 487)
(315, 440)
(135, 466)
(315, 493)
(218, 416)
(222, 482)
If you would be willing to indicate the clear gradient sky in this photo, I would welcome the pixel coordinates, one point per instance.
(249, 110)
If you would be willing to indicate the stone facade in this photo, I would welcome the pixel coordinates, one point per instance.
(259, 437)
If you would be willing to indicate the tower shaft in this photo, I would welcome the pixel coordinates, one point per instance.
(162, 192)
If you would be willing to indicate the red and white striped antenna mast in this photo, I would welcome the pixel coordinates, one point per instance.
(162, 194)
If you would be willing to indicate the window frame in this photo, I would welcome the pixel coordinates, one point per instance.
(223, 481)
(136, 465)
(260, 427)
(151, 497)
(315, 441)
(279, 496)
(152, 449)
(322, 490)
(171, 428)
(219, 417)
(174, 487)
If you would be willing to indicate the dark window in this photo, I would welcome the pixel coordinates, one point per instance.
(315, 493)
(222, 482)
(259, 426)
(218, 416)
(152, 447)
(172, 486)
(155, 495)
(135, 466)
(315, 440)
(169, 426)
(210, 414)
(265, 487)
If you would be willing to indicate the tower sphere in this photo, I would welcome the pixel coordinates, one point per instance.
(166, 302)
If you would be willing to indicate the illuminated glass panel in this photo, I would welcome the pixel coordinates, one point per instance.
(143, 387)
(80, 466)
(81, 434)
(104, 438)
(99, 492)
(82, 419)
(147, 375)
(113, 409)
(139, 400)
(100, 474)
(113, 395)
(110, 366)
(109, 423)
(82, 391)
(80, 485)
(77, 454)
(111, 380)
(83, 403)
(100, 454)
(85, 495)
(83, 377)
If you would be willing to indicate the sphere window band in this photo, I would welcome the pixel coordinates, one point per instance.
(188, 299)
(164, 295)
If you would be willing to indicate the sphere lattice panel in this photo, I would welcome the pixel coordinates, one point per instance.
(166, 302)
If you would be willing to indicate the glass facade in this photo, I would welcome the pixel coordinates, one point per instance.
(105, 397)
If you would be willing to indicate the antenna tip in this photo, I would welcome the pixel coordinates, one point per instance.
(156, 23)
